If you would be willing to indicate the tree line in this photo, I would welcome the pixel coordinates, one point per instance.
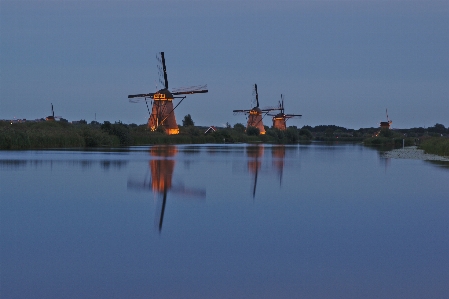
(94, 134)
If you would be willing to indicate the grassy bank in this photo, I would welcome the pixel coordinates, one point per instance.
(435, 145)
(40, 135)
(389, 138)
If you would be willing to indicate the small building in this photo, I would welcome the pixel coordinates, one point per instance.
(211, 129)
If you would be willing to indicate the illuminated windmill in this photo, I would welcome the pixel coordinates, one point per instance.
(52, 117)
(280, 119)
(162, 166)
(162, 112)
(256, 114)
(386, 124)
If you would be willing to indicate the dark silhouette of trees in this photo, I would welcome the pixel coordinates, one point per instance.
(187, 121)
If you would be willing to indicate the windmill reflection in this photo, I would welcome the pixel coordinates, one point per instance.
(255, 154)
(278, 157)
(162, 167)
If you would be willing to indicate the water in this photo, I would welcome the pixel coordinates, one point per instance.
(223, 221)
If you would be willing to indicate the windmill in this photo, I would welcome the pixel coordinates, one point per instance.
(386, 124)
(52, 117)
(255, 115)
(280, 119)
(162, 167)
(162, 111)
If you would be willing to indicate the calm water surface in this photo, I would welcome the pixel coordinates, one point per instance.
(211, 221)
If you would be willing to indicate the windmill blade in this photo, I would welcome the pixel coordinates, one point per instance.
(292, 115)
(52, 111)
(271, 108)
(236, 112)
(148, 108)
(144, 185)
(191, 192)
(160, 215)
(256, 94)
(388, 119)
(190, 88)
(281, 103)
(141, 95)
(164, 69)
(268, 109)
(190, 92)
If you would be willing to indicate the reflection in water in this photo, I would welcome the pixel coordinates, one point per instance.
(255, 154)
(160, 181)
(384, 161)
(333, 231)
(443, 164)
(278, 156)
(191, 150)
(85, 164)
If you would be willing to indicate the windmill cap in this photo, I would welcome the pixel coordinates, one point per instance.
(166, 93)
(279, 115)
(256, 110)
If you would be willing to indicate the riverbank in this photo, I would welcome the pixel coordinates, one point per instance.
(45, 135)
(413, 152)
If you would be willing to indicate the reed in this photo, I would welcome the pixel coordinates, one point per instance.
(435, 145)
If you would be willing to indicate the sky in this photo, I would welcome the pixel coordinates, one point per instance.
(336, 62)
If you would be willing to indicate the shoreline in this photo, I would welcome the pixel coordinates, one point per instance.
(412, 152)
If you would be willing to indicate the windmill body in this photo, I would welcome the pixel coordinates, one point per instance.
(162, 111)
(255, 120)
(279, 122)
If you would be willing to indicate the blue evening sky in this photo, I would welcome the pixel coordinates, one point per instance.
(336, 62)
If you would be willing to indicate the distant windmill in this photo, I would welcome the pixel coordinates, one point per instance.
(255, 115)
(386, 124)
(162, 113)
(280, 119)
(52, 117)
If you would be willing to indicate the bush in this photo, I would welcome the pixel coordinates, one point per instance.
(239, 127)
(305, 134)
(120, 130)
(252, 131)
(436, 145)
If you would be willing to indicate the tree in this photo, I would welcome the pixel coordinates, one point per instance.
(306, 134)
(187, 121)
(239, 127)
(292, 134)
(252, 131)
(438, 128)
